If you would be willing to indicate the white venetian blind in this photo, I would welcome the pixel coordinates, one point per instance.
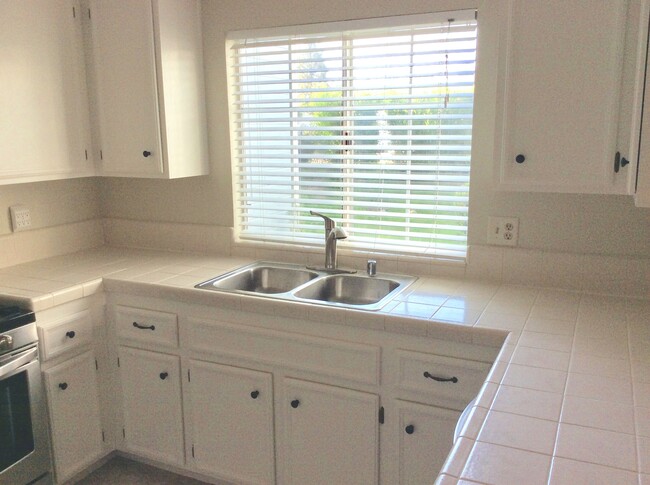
(371, 126)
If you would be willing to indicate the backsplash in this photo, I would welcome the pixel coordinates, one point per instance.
(617, 275)
(26, 246)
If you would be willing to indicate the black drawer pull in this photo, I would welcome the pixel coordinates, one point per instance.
(295, 403)
(144, 327)
(453, 379)
(70, 334)
(164, 375)
(254, 394)
(410, 429)
(63, 386)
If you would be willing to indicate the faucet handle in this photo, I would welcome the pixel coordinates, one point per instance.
(371, 267)
(329, 223)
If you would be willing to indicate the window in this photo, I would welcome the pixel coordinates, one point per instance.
(369, 122)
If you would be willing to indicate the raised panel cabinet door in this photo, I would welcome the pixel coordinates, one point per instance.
(75, 417)
(331, 434)
(231, 414)
(126, 87)
(560, 88)
(426, 435)
(44, 115)
(151, 397)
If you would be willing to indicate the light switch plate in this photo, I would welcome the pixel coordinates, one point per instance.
(21, 219)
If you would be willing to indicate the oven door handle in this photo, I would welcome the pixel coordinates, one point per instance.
(18, 361)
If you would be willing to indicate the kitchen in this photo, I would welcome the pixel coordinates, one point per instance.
(592, 242)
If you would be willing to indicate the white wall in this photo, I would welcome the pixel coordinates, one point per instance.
(553, 222)
(52, 203)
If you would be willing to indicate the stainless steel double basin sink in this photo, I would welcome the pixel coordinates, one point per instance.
(297, 283)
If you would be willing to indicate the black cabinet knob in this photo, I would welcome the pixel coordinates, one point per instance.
(619, 162)
(146, 153)
(295, 403)
(70, 334)
(254, 394)
(164, 375)
(410, 429)
(520, 158)
(63, 386)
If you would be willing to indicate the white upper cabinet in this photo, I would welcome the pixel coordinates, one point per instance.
(149, 88)
(44, 120)
(558, 91)
(635, 110)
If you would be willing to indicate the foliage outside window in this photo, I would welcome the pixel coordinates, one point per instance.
(369, 125)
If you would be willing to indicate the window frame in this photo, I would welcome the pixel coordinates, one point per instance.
(325, 29)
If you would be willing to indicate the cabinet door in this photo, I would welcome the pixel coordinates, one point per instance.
(151, 396)
(231, 414)
(43, 101)
(560, 88)
(74, 414)
(331, 434)
(126, 87)
(426, 435)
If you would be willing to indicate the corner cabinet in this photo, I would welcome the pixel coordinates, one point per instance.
(151, 396)
(149, 88)
(44, 121)
(560, 66)
(638, 93)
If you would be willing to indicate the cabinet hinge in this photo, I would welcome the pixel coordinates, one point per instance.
(74, 13)
(101, 155)
(118, 361)
(103, 436)
(123, 433)
(192, 451)
(89, 14)
(86, 152)
(189, 377)
(381, 415)
(96, 365)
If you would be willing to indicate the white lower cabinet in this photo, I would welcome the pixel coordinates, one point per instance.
(425, 435)
(331, 434)
(230, 411)
(74, 414)
(151, 397)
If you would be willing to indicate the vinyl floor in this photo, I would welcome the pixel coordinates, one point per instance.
(120, 471)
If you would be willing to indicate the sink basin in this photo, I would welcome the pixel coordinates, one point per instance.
(292, 282)
(265, 279)
(349, 290)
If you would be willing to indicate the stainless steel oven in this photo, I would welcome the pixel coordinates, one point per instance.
(24, 440)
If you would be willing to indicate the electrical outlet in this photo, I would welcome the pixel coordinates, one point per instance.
(21, 219)
(503, 231)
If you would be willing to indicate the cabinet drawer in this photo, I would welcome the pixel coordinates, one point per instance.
(343, 360)
(67, 333)
(444, 381)
(146, 326)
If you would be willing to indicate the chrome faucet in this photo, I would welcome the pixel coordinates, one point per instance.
(332, 234)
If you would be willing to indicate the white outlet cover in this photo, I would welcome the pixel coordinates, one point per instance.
(21, 218)
(503, 231)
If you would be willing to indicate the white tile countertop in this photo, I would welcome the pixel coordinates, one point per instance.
(566, 402)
